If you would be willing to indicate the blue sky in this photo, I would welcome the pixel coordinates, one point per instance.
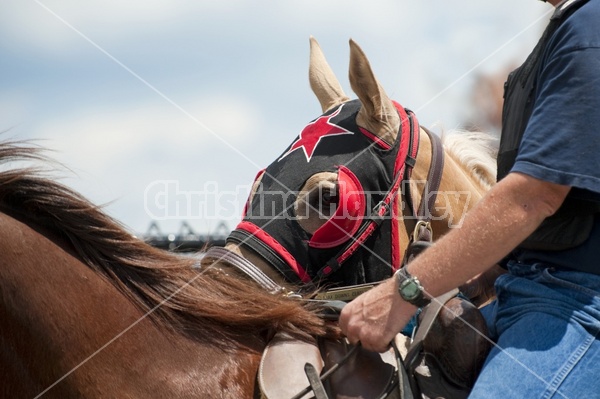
(167, 109)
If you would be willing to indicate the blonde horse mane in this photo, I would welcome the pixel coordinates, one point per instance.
(476, 152)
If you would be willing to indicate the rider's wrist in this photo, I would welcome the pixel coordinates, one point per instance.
(410, 289)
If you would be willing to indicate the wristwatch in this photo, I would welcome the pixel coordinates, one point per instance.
(410, 289)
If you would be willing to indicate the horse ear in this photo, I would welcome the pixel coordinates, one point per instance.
(322, 79)
(377, 114)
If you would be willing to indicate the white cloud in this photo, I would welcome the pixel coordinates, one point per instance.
(87, 136)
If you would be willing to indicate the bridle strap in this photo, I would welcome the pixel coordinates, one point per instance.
(434, 176)
(422, 232)
(245, 266)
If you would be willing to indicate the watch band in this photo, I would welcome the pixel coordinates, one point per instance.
(410, 289)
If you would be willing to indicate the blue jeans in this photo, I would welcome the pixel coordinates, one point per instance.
(546, 325)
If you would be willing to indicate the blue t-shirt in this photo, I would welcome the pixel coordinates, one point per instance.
(561, 143)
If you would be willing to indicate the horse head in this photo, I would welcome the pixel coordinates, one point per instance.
(339, 204)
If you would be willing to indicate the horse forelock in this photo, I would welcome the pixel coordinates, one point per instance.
(475, 151)
(164, 285)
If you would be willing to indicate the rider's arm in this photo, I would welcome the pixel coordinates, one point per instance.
(507, 215)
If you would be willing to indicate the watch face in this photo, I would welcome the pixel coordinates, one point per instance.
(409, 289)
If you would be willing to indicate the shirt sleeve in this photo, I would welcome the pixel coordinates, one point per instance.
(561, 143)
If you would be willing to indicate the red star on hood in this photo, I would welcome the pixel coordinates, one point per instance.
(312, 134)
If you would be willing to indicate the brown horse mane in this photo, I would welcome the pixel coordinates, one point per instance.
(208, 302)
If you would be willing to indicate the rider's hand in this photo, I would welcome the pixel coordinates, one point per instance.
(375, 317)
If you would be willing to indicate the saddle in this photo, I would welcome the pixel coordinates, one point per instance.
(325, 369)
(442, 361)
(445, 356)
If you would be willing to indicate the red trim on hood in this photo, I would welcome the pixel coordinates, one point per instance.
(277, 247)
(381, 143)
(404, 135)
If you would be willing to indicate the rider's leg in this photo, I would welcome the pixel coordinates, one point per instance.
(547, 326)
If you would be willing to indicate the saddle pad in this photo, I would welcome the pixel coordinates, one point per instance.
(281, 372)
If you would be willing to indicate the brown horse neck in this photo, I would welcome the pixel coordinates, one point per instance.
(67, 330)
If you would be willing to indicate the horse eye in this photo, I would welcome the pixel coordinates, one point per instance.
(329, 198)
